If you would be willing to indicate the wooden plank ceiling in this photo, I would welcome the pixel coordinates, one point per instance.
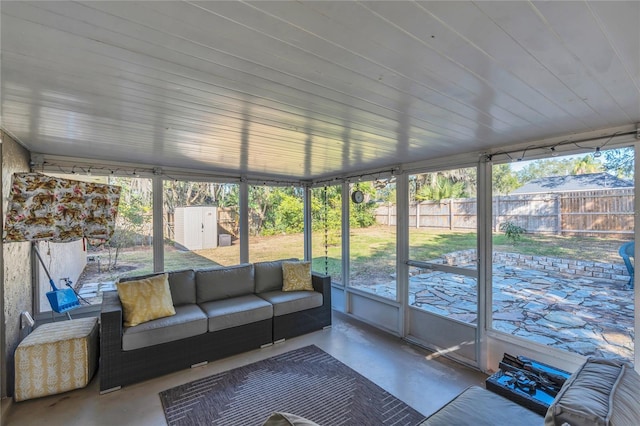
(307, 90)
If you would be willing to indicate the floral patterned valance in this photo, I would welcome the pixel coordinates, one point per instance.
(59, 210)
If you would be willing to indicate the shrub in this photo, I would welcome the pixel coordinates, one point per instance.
(512, 231)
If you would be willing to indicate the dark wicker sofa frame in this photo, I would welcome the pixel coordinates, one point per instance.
(302, 322)
(119, 367)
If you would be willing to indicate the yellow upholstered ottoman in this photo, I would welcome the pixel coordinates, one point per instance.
(56, 357)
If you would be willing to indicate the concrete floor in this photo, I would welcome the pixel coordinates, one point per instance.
(406, 371)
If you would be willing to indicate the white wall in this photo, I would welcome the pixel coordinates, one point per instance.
(63, 260)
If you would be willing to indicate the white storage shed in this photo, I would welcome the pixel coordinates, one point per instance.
(196, 227)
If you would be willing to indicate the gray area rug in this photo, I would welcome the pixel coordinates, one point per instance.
(307, 382)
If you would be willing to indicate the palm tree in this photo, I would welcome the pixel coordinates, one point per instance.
(454, 183)
(587, 164)
(442, 189)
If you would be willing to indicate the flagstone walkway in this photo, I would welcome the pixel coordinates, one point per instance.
(582, 315)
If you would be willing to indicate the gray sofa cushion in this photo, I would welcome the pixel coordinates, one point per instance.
(236, 311)
(188, 321)
(601, 392)
(287, 419)
(268, 275)
(479, 407)
(223, 283)
(286, 302)
(182, 285)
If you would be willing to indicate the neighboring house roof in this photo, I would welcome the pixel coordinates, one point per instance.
(573, 183)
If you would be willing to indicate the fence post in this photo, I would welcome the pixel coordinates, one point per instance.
(388, 213)
(496, 215)
(558, 206)
(451, 214)
(417, 214)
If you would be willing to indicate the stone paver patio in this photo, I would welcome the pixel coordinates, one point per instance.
(582, 315)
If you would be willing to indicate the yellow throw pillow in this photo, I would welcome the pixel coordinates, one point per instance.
(145, 300)
(296, 276)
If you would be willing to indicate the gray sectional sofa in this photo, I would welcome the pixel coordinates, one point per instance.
(601, 392)
(219, 312)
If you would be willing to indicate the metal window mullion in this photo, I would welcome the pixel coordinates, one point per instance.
(308, 227)
(402, 250)
(456, 270)
(157, 232)
(636, 224)
(244, 221)
(485, 260)
(3, 339)
(346, 254)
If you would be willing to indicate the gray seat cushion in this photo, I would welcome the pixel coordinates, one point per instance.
(223, 283)
(286, 302)
(237, 311)
(601, 392)
(479, 407)
(268, 275)
(188, 321)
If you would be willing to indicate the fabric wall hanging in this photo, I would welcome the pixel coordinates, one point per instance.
(59, 210)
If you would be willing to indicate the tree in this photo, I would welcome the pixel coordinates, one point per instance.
(385, 190)
(544, 168)
(288, 215)
(570, 165)
(360, 215)
(333, 210)
(187, 193)
(443, 188)
(261, 201)
(621, 161)
(134, 216)
(363, 215)
(586, 164)
(504, 179)
(454, 183)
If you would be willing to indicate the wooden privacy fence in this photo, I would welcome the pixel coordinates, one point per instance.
(228, 220)
(589, 213)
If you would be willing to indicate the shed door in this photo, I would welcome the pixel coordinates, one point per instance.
(193, 228)
(209, 227)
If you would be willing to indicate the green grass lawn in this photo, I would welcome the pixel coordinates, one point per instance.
(372, 251)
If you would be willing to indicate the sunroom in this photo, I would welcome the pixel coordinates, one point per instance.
(465, 172)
